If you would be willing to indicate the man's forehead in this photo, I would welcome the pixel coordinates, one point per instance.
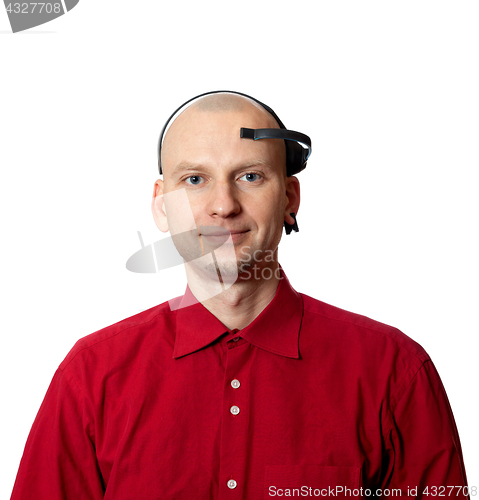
(205, 137)
(214, 117)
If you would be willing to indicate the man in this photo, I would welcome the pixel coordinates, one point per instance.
(242, 388)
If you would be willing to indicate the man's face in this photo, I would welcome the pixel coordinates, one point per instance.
(231, 183)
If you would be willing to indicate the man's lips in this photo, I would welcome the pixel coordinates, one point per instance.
(214, 237)
(224, 234)
(205, 239)
(221, 232)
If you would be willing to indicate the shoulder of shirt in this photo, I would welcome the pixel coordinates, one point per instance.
(362, 323)
(133, 325)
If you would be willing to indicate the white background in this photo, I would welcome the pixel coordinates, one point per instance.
(388, 92)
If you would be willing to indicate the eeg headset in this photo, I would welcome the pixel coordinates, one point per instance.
(298, 145)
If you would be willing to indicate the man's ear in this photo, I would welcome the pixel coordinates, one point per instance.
(158, 206)
(292, 199)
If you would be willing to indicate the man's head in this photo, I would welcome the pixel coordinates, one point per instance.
(230, 182)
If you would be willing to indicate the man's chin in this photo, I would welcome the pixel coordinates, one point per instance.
(226, 269)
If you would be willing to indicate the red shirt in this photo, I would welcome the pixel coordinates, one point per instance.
(173, 405)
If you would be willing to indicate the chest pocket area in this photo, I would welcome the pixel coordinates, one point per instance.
(311, 481)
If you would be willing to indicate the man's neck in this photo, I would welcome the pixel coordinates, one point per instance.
(238, 305)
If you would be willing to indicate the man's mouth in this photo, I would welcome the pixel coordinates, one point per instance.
(212, 238)
(221, 231)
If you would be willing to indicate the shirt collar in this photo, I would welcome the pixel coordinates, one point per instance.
(275, 329)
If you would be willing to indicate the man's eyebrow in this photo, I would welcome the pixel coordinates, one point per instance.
(185, 166)
(255, 163)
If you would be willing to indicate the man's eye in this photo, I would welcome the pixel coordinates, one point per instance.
(193, 179)
(250, 177)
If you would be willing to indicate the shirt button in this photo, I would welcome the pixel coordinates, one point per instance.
(236, 339)
(232, 484)
(235, 384)
(234, 410)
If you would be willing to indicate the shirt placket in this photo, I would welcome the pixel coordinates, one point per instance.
(235, 420)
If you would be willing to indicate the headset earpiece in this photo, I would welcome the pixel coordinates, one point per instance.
(291, 227)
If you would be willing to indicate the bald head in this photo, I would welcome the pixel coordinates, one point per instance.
(218, 114)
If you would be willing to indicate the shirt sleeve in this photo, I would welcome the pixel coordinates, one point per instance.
(59, 459)
(425, 457)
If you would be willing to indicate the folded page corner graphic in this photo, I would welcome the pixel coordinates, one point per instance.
(142, 261)
(26, 15)
(161, 254)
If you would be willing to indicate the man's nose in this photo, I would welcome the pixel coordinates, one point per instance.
(223, 201)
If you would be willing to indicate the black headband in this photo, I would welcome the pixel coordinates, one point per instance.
(296, 154)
